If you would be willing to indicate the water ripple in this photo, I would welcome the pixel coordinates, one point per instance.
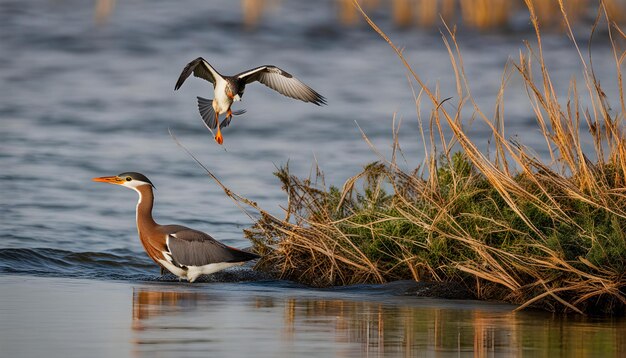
(53, 262)
(118, 264)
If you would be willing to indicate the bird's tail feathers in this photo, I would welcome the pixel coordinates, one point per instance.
(205, 106)
(241, 255)
(226, 120)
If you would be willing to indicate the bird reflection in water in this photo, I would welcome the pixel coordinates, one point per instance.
(151, 304)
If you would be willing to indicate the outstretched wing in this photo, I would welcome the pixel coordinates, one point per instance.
(282, 82)
(194, 248)
(200, 68)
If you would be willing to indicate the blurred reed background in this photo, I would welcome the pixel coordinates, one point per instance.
(476, 14)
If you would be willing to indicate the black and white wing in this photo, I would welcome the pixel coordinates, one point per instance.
(194, 248)
(200, 68)
(282, 82)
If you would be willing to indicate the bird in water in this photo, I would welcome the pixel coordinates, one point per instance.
(228, 89)
(185, 252)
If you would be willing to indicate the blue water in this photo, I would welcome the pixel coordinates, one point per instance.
(82, 98)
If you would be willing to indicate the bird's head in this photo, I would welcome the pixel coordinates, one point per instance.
(131, 180)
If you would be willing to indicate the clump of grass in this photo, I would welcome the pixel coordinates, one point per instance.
(510, 226)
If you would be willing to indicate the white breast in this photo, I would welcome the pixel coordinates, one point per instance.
(168, 263)
(221, 103)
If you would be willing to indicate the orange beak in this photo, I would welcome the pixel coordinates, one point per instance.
(111, 180)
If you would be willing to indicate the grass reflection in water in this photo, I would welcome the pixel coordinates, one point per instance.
(194, 321)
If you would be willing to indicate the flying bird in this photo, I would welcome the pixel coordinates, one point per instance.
(228, 89)
(185, 252)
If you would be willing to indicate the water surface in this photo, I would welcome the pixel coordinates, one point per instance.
(81, 318)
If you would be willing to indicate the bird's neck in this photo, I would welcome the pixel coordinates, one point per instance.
(145, 222)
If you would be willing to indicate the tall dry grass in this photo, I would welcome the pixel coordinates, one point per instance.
(508, 225)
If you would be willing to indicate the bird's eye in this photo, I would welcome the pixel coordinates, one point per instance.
(129, 178)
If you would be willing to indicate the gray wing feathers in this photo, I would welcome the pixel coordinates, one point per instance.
(205, 106)
(200, 68)
(283, 82)
(226, 122)
(195, 248)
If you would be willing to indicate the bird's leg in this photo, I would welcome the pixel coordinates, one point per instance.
(218, 137)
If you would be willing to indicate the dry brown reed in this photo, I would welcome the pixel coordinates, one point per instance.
(509, 226)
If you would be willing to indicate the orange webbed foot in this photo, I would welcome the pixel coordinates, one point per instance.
(218, 137)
